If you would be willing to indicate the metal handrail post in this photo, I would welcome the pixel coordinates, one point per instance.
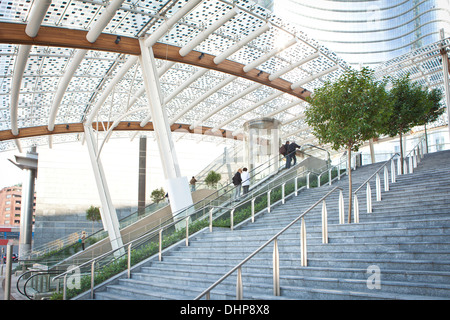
(415, 158)
(392, 171)
(210, 220)
(303, 253)
(341, 207)
(378, 187)
(268, 200)
(129, 260)
(329, 176)
(355, 209)
(232, 219)
(369, 197)
(92, 278)
(276, 269)
(187, 231)
(239, 287)
(296, 186)
(160, 245)
(307, 180)
(324, 223)
(386, 178)
(282, 193)
(253, 210)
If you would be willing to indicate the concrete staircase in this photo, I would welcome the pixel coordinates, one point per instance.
(405, 241)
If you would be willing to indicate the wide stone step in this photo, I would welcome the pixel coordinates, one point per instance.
(193, 269)
(255, 277)
(406, 238)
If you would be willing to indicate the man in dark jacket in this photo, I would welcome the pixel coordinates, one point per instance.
(286, 155)
(237, 181)
(291, 149)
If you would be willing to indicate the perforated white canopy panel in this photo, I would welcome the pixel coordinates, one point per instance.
(220, 63)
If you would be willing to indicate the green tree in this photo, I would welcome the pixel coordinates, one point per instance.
(93, 214)
(212, 179)
(434, 109)
(411, 106)
(158, 195)
(348, 112)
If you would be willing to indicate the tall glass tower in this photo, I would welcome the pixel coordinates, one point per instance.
(368, 32)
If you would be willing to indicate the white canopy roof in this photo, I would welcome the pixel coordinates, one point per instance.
(221, 63)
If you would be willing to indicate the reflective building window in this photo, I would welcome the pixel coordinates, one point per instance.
(369, 32)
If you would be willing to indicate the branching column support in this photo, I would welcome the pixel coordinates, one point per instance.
(108, 211)
(177, 186)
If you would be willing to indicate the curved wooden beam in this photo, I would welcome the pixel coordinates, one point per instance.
(122, 126)
(59, 37)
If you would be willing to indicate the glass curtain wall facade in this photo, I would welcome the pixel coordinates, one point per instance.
(368, 32)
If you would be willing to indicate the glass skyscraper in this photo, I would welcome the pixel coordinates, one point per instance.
(368, 32)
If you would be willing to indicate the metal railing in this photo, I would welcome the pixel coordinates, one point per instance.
(181, 223)
(276, 259)
(413, 157)
(411, 160)
(221, 195)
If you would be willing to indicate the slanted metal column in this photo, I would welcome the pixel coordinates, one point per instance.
(29, 166)
(142, 174)
(177, 186)
(108, 212)
(445, 72)
(446, 82)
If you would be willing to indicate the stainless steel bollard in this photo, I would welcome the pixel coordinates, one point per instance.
(9, 250)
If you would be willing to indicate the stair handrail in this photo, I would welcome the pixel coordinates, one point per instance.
(151, 233)
(223, 188)
(276, 266)
(159, 231)
(378, 187)
(414, 156)
(147, 235)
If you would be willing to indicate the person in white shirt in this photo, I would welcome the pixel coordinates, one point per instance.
(245, 180)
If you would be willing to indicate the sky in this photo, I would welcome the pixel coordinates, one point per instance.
(9, 173)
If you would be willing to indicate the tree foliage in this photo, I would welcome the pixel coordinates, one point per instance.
(93, 214)
(158, 195)
(212, 178)
(411, 106)
(348, 112)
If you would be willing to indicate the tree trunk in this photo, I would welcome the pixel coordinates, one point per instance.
(349, 168)
(401, 153)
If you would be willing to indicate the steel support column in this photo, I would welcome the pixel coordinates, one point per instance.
(177, 186)
(142, 174)
(108, 211)
(445, 66)
(445, 76)
(29, 165)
